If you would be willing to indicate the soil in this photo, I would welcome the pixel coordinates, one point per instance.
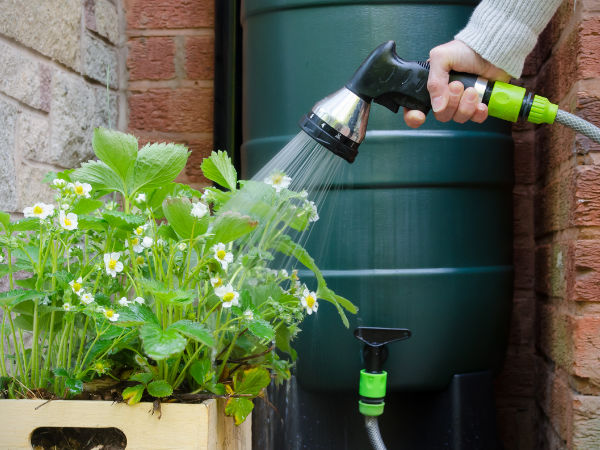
(78, 439)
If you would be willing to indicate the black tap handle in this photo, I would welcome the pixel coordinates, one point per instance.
(375, 339)
(391, 81)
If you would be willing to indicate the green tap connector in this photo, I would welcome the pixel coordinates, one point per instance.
(510, 102)
(372, 387)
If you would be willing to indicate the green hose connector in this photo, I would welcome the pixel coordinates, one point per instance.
(542, 111)
(506, 101)
(372, 386)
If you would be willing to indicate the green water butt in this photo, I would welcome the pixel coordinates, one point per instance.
(420, 236)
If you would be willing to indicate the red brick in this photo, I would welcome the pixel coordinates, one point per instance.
(516, 419)
(555, 398)
(199, 57)
(553, 267)
(522, 321)
(559, 73)
(523, 225)
(587, 196)
(586, 282)
(588, 108)
(554, 145)
(518, 373)
(524, 156)
(201, 148)
(586, 341)
(168, 110)
(144, 14)
(523, 260)
(151, 58)
(554, 204)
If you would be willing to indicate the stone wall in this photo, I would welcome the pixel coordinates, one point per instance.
(170, 63)
(54, 55)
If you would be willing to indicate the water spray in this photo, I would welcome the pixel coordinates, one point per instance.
(339, 121)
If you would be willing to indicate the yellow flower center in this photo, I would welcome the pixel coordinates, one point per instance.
(67, 222)
(219, 282)
(277, 179)
(109, 313)
(228, 297)
(37, 209)
(76, 286)
(135, 241)
(221, 254)
(139, 260)
(310, 301)
(112, 264)
(139, 230)
(79, 190)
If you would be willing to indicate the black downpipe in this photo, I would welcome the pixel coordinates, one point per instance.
(228, 79)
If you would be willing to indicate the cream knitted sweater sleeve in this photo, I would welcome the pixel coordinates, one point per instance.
(505, 31)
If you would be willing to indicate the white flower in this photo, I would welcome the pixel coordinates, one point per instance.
(284, 273)
(81, 189)
(314, 215)
(248, 315)
(182, 246)
(65, 206)
(67, 307)
(140, 230)
(1, 258)
(112, 263)
(228, 295)
(216, 281)
(278, 180)
(39, 210)
(161, 242)
(67, 221)
(87, 298)
(123, 301)
(222, 255)
(139, 300)
(45, 301)
(147, 242)
(309, 301)
(137, 246)
(303, 194)
(199, 210)
(77, 286)
(141, 198)
(59, 183)
(110, 314)
(207, 196)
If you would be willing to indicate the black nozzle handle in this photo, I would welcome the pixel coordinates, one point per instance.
(391, 81)
(375, 339)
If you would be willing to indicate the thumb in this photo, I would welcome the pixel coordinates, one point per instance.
(437, 83)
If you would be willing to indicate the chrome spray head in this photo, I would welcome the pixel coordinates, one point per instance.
(339, 121)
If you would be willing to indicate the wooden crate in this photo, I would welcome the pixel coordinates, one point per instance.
(201, 426)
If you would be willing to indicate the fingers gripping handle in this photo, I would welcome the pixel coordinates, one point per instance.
(387, 79)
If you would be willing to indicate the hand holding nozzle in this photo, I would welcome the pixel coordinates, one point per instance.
(450, 100)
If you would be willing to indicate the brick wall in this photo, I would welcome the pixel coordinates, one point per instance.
(170, 63)
(552, 377)
(53, 60)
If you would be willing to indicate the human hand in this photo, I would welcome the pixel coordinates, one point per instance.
(453, 101)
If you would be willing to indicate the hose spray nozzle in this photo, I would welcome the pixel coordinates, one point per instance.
(339, 121)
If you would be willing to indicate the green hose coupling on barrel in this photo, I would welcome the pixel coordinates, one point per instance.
(510, 102)
(371, 389)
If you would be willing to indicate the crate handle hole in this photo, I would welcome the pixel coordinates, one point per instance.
(87, 438)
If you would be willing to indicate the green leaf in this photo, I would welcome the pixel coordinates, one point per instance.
(195, 331)
(136, 315)
(27, 224)
(229, 226)
(91, 223)
(5, 219)
(201, 371)
(100, 176)
(156, 165)
(159, 388)
(261, 329)
(14, 297)
(216, 388)
(239, 408)
(24, 322)
(159, 344)
(133, 394)
(86, 205)
(282, 341)
(60, 372)
(178, 213)
(119, 219)
(166, 295)
(118, 150)
(218, 168)
(253, 381)
(166, 232)
(74, 385)
(142, 377)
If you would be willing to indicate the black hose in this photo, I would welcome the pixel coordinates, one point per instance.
(373, 432)
(578, 124)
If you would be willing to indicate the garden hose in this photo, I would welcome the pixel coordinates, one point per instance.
(578, 124)
(372, 425)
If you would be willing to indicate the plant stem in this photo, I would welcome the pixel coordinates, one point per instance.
(81, 344)
(2, 363)
(16, 345)
(34, 345)
(229, 350)
(191, 359)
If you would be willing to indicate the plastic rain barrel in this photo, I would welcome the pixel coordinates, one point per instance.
(423, 237)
